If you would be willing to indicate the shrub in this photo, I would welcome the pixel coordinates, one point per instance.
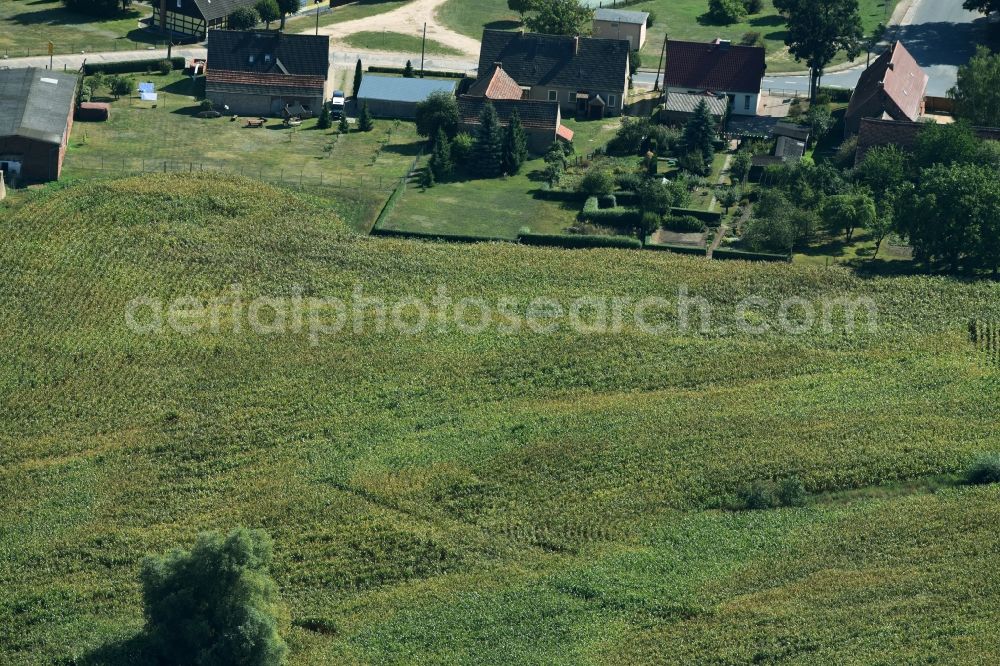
(165, 67)
(575, 241)
(215, 603)
(684, 224)
(791, 492)
(752, 38)
(461, 148)
(651, 19)
(694, 162)
(607, 201)
(726, 12)
(124, 66)
(206, 104)
(628, 181)
(757, 496)
(753, 6)
(985, 470)
(649, 223)
(597, 182)
(121, 85)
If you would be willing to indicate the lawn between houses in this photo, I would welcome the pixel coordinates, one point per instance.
(362, 167)
(683, 19)
(26, 27)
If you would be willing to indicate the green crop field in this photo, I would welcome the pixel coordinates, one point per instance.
(683, 19)
(482, 496)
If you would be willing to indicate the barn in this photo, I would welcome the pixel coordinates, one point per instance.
(395, 97)
(36, 116)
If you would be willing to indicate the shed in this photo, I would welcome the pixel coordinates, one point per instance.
(36, 116)
(397, 97)
(679, 107)
(93, 111)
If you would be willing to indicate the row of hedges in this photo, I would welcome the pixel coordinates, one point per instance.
(423, 235)
(836, 95)
(127, 66)
(746, 255)
(377, 69)
(572, 241)
(712, 219)
(616, 217)
(677, 249)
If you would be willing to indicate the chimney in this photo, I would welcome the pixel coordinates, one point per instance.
(576, 45)
(498, 64)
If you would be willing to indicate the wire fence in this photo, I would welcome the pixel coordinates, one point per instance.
(91, 46)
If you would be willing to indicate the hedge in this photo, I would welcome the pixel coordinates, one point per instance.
(426, 235)
(378, 69)
(557, 195)
(712, 219)
(677, 249)
(128, 66)
(627, 198)
(746, 255)
(684, 224)
(571, 241)
(836, 95)
(616, 217)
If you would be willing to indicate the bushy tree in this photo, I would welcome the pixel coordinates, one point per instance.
(739, 167)
(440, 162)
(408, 70)
(754, 6)
(818, 30)
(522, 7)
(984, 6)
(358, 75)
(286, 7)
(214, 604)
(658, 197)
(365, 121)
(770, 229)
(120, 84)
(597, 182)
(515, 145)
(439, 111)
(243, 18)
(728, 197)
(726, 12)
(883, 170)
(462, 148)
(977, 92)
(325, 120)
(268, 11)
(845, 213)
(489, 143)
(820, 121)
(947, 144)
(559, 17)
(699, 132)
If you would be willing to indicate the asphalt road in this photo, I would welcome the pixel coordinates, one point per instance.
(940, 34)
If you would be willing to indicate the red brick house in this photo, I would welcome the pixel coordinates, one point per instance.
(892, 88)
(874, 132)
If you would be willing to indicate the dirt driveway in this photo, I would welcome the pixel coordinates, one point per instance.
(408, 19)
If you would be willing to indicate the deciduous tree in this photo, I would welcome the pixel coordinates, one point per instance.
(268, 11)
(818, 30)
(243, 18)
(560, 17)
(977, 92)
(845, 213)
(439, 111)
(286, 7)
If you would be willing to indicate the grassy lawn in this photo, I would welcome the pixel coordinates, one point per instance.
(499, 207)
(493, 497)
(26, 27)
(682, 18)
(397, 42)
(355, 10)
(142, 138)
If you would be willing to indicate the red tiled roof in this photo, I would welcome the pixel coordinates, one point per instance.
(878, 132)
(305, 83)
(534, 114)
(564, 133)
(496, 84)
(716, 66)
(897, 76)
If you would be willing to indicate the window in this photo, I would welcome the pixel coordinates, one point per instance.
(612, 101)
(746, 102)
(178, 4)
(572, 96)
(553, 95)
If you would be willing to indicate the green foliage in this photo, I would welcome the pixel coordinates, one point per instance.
(985, 6)
(947, 144)
(515, 145)
(649, 222)
(214, 604)
(488, 160)
(883, 170)
(126, 66)
(286, 7)
(819, 29)
(462, 148)
(243, 18)
(752, 38)
(770, 228)
(684, 224)
(268, 11)
(845, 213)
(576, 241)
(440, 163)
(728, 197)
(820, 121)
(522, 7)
(754, 6)
(119, 85)
(165, 67)
(622, 218)
(726, 12)
(699, 133)
(761, 495)
(560, 17)
(438, 112)
(659, 197)
(598, 181)
(985, 470)
(358, 76)
(365, 121)
(343, 127)
(408, 70)
(325, 120)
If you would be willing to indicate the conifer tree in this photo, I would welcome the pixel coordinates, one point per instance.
(357, 77)
(365, 122)
(440, 162)
(515, 145)
(489, 143)
(699, 132)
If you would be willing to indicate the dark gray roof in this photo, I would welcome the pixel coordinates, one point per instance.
(271, 52)
(789, 149)
(621, 16)
(532, 59)
(36, 103)
(792, 130)
(213, 9)
(401, 89)
(687, 103)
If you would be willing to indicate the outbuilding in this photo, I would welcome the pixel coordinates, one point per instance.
(620, 24)
(36, 116)
(397, 97)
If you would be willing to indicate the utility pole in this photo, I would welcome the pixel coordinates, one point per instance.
(317, 19)
(52, 49)
(423, 50)
(659, 66)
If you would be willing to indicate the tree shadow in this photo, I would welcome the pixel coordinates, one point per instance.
(943, 43)
(502, 25)
(123, 652)
(61, 16)
(777, 35)
(768, 21)
(405, 149)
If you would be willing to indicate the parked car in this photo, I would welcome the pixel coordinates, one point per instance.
(337, 103)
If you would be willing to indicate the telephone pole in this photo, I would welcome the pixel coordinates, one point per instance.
(423, 50)
(659, 66)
